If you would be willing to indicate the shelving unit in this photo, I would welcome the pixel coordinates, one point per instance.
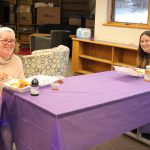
(67, 8)
(73, 8)
(90, 56)
(24, 12)
(23, 32)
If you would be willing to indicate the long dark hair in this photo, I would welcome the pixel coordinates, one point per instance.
(142, 57)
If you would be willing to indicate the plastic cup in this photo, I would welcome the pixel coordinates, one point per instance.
(54, 86)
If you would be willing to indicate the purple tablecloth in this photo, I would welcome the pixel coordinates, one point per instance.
(85, 111)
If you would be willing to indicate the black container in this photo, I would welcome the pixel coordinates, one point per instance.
(34, 87)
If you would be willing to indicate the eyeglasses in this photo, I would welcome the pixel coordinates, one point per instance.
(5, 41)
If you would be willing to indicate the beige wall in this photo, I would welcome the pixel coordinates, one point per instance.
(115, 34)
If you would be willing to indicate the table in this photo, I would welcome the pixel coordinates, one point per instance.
(85, 111)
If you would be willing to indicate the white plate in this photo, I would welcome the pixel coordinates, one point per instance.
(8, 85)
(136, 72)
(44, 80)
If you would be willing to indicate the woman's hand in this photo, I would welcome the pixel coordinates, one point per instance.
(3, 76)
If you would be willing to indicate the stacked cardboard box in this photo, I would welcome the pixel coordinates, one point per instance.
(48, 15)
(24, 2)
(24, 21)
(75, 20)
(11, 13)
(12, 2)
(24, 18)
(89, 23)
(24, 37)
(24, 14)
(24, 8)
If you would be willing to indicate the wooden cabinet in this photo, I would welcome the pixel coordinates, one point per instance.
(90, 56)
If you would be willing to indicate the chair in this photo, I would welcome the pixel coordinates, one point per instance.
(56, 37)
(52, 62)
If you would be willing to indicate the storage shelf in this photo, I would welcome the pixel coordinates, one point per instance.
(75, 2)
(91, 56)
(84, 72)
(23, 42)
(24, 32)
(108, 43)
(25, 24)
(123, 65)
(96, 59)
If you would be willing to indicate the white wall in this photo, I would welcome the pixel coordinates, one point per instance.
(114, 34)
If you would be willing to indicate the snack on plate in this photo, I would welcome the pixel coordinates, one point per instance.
(135, 72)
(139, 70)
(60, 81)
(20, 83)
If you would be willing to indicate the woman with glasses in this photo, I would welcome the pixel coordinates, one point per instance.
(10, 64)
(10, 67)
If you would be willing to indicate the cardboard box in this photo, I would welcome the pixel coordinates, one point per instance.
(11, 9)
(24, 8)
(75, 21)
(74, 6)
(24, 18)
(24, 37)
(11, 18)
(25, 29)
(48, 15)
(25, 2)
(13, 2)
(89, 23)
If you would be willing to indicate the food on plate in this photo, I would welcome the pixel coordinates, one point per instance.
(139, 70)
(20, 83)
(136, 72)
(60, 81)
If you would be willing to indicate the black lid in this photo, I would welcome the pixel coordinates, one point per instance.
(34, 82)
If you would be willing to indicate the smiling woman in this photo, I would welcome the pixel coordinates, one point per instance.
(10, 64)
(10, 67)
(143, 57)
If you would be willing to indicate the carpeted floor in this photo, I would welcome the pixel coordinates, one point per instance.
(122, 142)
(23, 51)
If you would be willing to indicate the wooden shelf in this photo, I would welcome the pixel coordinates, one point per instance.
(84, 72)
(90, 56)
(96, 59)
(23, 32)
(123, 65)
(23, 42)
